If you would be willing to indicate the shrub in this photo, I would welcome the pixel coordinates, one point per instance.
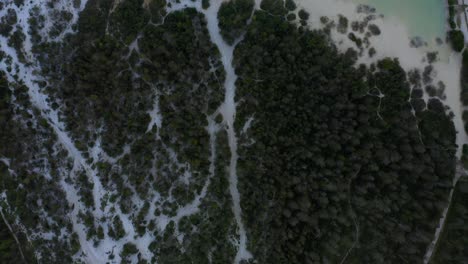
(457, 39)
(233, 16)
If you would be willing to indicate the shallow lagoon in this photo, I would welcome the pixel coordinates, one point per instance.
(424, 18)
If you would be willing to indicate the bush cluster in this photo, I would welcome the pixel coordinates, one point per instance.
(233, 16)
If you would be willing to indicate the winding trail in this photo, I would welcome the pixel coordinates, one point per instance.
(228, 111)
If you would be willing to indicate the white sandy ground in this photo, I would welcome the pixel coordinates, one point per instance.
(394, 42)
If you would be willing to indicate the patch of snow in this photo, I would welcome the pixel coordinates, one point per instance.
(5, 161)
(247, 125)
(155, 115)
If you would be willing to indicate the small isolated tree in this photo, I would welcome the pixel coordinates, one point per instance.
(457, 39)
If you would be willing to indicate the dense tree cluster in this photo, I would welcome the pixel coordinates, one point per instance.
(9, 250)
(7, 22)
(451, 10)
(274, 7)
(233, 16)
(454, 238)
(186, 67)
(457, 39)
(340, 168)
(129, 18)
(455, 35)
(464, 86)
(34, 200)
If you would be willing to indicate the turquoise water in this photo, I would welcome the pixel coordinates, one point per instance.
(424, 18)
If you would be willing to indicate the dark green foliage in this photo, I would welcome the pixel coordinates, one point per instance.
(5, 97)
(457, 39)
(31, 146)
(334, 167)
(303, 15)
(374, 29)
(101, 91)
(7, 22)
(93, 20)
(74, 244)
(356, 40)
(233, 16)
(128, 250)
(324, 156)
(464, 84)
(205, 4)
(290, 5)
(432, 57)
(117, 230)
(451, 17)
(85, 190)
(451, 247)
(291, 17)
(342, 24)
(274, 7)
(19, 2)
(157, 10)
(9, 252)
(372, 52)
(129, 18)
(16, 40)
(464, 158)
(108, 93)
(190, 93)
(209, 230)
(61, 20)
(186, 53)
